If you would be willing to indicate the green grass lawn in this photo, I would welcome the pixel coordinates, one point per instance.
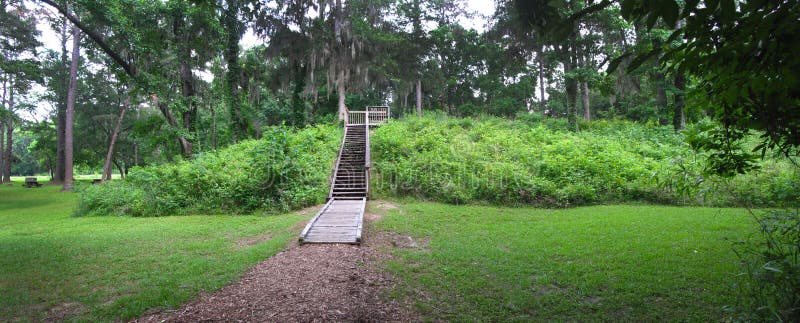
(631, 263)
(634, 263)
(115, 268)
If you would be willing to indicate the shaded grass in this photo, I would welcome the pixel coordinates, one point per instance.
(632, 263)
(112, 268)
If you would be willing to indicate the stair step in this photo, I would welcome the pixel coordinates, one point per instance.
(350, 195)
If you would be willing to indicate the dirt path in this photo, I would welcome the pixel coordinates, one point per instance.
(305, 283)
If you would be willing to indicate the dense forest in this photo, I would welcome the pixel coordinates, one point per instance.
(132, 83)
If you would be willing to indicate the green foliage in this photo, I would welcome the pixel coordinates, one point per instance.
(769, 288)
(726, 155)
(286, 169)
(536, 160)
(742, 56)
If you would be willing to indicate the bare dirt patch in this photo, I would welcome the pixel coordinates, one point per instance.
(64, 311)
(408, 242)
(305, 283)
(377, 209)
(252, 241)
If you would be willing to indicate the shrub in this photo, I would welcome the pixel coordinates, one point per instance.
(769, 287)
(535, 160)
(286, 169)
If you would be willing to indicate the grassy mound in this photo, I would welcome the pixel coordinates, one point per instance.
(537, 161)
(286, 169)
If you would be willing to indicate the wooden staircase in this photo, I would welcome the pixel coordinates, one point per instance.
(340, 220)
(350, 178)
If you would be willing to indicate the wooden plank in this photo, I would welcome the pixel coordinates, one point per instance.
(339, 222)
(314, 219)
(338, 236)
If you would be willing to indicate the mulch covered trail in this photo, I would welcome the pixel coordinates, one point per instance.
(304, 283)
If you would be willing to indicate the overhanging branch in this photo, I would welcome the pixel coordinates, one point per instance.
(95, 37)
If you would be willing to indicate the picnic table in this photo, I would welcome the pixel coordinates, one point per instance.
(32, 182)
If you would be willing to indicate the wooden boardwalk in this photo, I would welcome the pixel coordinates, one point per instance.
(341, 219)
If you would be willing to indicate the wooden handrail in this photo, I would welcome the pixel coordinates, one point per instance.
(359, 228)
(367, 157)
(336, 167)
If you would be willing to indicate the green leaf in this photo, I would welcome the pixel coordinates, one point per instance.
(669, 12)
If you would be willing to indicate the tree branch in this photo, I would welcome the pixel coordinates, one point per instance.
(589, 10)
(130, 70)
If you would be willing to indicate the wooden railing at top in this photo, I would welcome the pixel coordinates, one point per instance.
(372, 116)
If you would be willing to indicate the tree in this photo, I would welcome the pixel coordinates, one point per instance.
(110, 155)
(17, 69)
(70, 112)
(742, 57)
(139, 50)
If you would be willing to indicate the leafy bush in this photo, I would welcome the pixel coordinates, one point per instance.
(285, 169)
(540, 161)
(769, 287)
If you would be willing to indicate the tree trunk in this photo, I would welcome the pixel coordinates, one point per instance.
(540, 58)
(213, 127)
(188, 116)
(58, 176)
(9, 124)
(255, 101)
(231, 54)
(661, 96)
(187, 86)
(584, 85)
(187, 90)
(2, 131)
(679, 111)
(342, 94)
(2, 147)
(587, 113)
(135, 153)
(110, 154)
(119, 168)
(186, 145)
(9, 143)
(571, 84)
(70, 113)
(679, 115)
(419, 97)
(298, 104)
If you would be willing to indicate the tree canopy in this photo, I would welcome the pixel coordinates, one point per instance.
(193, 87)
